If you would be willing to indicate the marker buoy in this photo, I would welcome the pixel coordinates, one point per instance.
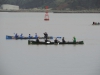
(46, 18)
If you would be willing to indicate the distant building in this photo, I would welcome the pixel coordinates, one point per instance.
(9, 7)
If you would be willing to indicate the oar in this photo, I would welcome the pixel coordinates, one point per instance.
(51, 37)
(57, 37)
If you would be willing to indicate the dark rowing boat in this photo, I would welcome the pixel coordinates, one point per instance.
(96, 24)
(13, 37)
(31, 42)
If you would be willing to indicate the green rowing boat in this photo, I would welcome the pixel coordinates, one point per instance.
(31, 42)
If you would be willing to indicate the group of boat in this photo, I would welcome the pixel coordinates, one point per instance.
(32, 42)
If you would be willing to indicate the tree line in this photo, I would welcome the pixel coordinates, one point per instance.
(55, 4)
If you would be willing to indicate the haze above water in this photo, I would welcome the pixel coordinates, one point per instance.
(19, 58)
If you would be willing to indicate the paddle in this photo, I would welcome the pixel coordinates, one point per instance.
(57, 37)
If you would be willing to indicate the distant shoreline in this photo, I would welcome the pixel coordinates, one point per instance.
(77, 12)
(53, 11)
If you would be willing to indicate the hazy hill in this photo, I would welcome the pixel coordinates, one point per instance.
(55, 4)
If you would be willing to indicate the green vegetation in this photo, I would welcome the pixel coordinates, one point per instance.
(55, 4)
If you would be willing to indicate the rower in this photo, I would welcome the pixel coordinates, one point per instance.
(63, 40)
(93, 22)
(29, 36)
(16, 35)
(74, 39)
(36, 36)
(37, 40)
(56, 41)
(45, 35)
(21, 35)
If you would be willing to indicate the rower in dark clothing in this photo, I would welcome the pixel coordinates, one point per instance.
(56, 41)
(63, 40)
(47, 41)
(93, 22)
(45, 35)
(37, 40)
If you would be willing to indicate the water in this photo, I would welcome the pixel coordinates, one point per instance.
(19, 58)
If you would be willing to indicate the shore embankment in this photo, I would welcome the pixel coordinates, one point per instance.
(53, 11)
(76, 12)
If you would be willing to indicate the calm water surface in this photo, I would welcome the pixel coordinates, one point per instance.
(19, 58)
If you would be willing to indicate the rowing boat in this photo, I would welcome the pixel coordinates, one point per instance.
(96, 24)
(31, 42)
(13, 37)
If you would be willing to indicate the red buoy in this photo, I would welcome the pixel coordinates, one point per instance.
(46, 18)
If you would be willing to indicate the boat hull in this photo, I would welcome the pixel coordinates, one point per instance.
(31, 42)
(96, 24)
